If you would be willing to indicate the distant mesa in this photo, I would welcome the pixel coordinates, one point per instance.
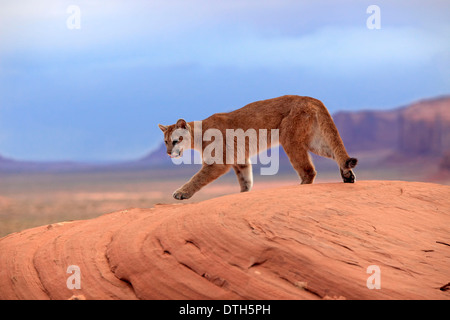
(5, 160)
(156, 157)
(17, 166)
(445, 163)
(421, 129)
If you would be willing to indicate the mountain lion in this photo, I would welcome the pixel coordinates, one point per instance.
(303, 123)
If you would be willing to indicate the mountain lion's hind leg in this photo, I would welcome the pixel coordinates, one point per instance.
(291, 139)
(302, 163)
(321, 148)
(245, 175)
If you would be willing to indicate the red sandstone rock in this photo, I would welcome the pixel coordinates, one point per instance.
(299, 242)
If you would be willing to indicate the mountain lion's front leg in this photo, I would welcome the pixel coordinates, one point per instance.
(207, 174)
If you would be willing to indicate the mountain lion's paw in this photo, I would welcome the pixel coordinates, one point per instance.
(181, 194)
(349, 177)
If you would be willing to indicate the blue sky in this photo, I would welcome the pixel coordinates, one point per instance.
(97, 93)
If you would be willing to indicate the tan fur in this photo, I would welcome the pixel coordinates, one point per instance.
(304, 125)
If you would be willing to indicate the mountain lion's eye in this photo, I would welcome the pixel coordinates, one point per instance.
(174, 142)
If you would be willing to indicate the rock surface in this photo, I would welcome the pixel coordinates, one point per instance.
(299, 242)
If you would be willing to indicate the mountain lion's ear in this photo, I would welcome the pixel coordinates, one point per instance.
(163, 128)
(181, 124)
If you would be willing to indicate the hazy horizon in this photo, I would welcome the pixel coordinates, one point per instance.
(96, 94)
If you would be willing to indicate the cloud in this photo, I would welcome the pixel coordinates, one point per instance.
(238, 34)
(349, 50)
(338, 48)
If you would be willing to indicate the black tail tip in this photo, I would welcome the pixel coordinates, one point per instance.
(351, 163)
